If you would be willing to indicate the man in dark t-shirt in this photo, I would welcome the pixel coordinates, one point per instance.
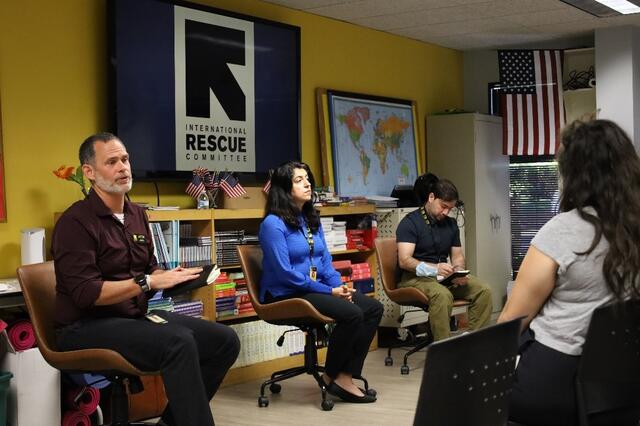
(429, 250)
(106, 272)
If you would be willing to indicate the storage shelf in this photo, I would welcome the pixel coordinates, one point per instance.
(237, 213)
(345, 210)
(237, 317)
(225, 267)
(186, 214)
(350, 251)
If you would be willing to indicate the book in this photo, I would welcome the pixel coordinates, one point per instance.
(448, 280)
(207, 276)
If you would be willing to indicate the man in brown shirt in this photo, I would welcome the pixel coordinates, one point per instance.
(106, 271)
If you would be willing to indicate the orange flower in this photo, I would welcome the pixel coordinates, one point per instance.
(67, 173)
(64, 172)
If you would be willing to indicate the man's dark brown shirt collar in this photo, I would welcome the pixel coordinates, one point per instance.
(100, 208)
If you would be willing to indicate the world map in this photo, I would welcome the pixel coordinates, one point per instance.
(373, 146)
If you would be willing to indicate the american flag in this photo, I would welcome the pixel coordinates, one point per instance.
(211, 180)
(267, 186)
(195, 187)
(531, 101)
(231, 186)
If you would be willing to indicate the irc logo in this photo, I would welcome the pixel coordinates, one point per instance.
(209, 49)
(214, 70)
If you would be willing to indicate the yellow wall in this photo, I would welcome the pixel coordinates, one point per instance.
(53, 90)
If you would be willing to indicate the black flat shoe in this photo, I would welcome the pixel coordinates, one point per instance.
(370, 392)
(346, 396)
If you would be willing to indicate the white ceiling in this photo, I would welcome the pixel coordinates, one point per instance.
(469, 24)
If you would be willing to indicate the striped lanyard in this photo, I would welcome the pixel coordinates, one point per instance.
(313, 271)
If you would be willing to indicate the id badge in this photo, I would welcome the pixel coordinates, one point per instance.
(156, 318)
(139, 239)
(313, 273)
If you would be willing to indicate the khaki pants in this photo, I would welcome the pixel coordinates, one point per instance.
(441, 301)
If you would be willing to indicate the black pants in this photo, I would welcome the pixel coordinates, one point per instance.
(356, 324)
(544, 388)
(192, 355)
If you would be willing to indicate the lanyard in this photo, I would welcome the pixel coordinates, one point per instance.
(313, 271)
(435, 239)
(311, 244)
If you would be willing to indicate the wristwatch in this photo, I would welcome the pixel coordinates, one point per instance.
(143, 281)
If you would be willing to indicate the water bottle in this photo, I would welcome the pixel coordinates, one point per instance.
(203, 200)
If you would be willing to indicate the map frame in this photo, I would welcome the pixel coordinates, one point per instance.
(329, 145)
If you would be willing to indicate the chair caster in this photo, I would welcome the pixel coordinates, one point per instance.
(404, 369)
(263, 401)
(275, 388)
(388, 361)
(371, 392)
(327, 405)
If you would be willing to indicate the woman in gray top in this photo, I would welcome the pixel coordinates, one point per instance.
(583, 258)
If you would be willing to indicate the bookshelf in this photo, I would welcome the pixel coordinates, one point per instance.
(207, 222)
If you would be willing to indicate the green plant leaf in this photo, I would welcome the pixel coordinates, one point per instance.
(79, 175)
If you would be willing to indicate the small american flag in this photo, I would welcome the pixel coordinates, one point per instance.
(267, 186)
(531, 101)
(195, 187)
(231, 186)
(211, 180)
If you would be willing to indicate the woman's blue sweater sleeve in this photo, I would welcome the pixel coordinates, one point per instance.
(276, 254)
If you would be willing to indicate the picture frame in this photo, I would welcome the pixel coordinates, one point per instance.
(369, 144)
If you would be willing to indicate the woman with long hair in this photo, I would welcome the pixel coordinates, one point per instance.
(585, 257)
(297, 264)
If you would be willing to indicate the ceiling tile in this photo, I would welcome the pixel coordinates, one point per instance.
(418, 18)
(511, 7)
(304, 4)
(367, 8)
(569, 27)
(466, 24)
(616, 21)
(472, 26)
(550, 17)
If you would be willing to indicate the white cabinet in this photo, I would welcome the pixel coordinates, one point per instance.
(467, 149)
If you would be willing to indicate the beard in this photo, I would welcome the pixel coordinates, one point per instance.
(113, 187)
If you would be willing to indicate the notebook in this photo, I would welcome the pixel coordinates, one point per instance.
(207, 276)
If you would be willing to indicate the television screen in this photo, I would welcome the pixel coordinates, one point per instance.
(193, 86)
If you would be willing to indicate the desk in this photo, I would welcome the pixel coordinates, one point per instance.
(10, 293)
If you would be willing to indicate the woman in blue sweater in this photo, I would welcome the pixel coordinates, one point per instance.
(297, 264)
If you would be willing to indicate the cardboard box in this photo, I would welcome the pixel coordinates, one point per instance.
(34, 393)
(254, 199)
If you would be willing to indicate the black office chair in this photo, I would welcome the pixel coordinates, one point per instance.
(467, 379)
(38, 283)
(608, 379)
(296, 312)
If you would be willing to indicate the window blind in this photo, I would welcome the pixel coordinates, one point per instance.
(534, 199)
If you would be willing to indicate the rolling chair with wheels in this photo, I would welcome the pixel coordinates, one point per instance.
(296, 312)
(387, 253)
(608, 379)
(38, 283)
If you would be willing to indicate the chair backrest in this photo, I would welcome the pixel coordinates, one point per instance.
(294, 311)
(467, 379)
(38, 283)
(251, 262)
(608, 380)
(387, 253)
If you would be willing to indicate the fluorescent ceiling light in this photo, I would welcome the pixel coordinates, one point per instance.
(622, 6)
